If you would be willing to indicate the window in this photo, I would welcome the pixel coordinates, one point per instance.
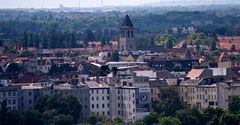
(108, 105)
(14, 101)
(132, 34)
(93, 106)
(130, 84)
(97, 91)
(103, 106)
(30, 101)
(124, 83)
(14, 93)
(211, 103)
(9, 102)
(9, 93)
(97, 106)
(103, 98)
(96, 98)
(103, 91)
(107, 97)
(128, 34)
(119, 112)
(119, 105)
(30, 93)
(4, 94)
(92, 98)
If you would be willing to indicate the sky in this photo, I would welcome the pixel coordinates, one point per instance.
(69, 3)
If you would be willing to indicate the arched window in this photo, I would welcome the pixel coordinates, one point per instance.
(132, 34)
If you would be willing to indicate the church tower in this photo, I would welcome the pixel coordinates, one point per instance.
(127, 40)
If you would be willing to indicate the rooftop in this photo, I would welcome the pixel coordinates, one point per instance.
(127, 22)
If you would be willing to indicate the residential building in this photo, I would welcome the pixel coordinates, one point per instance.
(198, 93)
(225, 90)
(12, 95)
(229, 43)
(31, 94)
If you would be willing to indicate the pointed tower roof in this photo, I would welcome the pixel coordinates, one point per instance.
(127, 22)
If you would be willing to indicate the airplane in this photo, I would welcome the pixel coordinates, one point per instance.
(117, 66)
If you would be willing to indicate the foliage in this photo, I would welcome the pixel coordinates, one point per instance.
(190, 116)
(33, 117)
(169, 102)
(169, 121)
(61, 68)
(234, 104)
(150, 119)
(66, 105)
(62, 119)
(8, 117)
(92, 119)
(115, 56)
(13, 67)
(229, 119)
(166, 39)
(27, 54)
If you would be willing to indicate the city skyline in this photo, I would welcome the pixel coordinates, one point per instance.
(99, 3)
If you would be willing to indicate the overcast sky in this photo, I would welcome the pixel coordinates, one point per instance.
(69, 3)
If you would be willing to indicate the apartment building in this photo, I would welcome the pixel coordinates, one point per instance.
(80, 92)
(198, 93)
(31, 94)
(12, 95)
(225, 90)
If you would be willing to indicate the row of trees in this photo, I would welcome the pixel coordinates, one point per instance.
(53, 109)
(60, 39)
(171, 111)
(105, 26)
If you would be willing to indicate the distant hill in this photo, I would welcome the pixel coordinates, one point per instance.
(191, 2)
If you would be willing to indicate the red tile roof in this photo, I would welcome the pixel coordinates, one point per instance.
(228, 42)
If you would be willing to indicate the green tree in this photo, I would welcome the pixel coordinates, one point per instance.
(234, 104)
(115, 56)
(118, 121)
(138, 122)
(150, 119)
(13, 67)
(211, 115)
(165, 39)
(213, 45)
(229, 119)
(92, 119)
(33, 117)
(169, 121)
(190, 116)
(62, 119)
(169, 102)
(27, 54)
(66, 105)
